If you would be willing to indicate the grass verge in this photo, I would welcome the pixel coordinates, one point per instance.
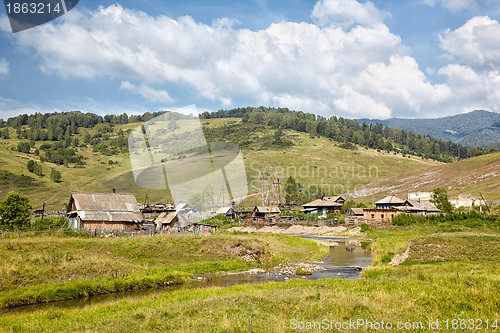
(48, 268)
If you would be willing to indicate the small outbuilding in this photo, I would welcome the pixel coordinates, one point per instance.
(227, 212)
(170, 222)
(353, 212)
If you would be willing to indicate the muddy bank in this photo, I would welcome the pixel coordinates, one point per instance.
(298, 230)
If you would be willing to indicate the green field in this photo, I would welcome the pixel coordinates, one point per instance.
(58, 267)
(312, 161)
(448, 276)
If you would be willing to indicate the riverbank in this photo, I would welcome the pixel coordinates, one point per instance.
(299, 230)
(54, 268)
(422, 290)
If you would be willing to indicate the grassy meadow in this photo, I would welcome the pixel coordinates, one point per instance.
(448, 275)
(311, 160)
(48, 268)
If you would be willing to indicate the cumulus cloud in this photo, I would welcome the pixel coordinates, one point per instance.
(474, 77)
(401, 84)
(347, 13)
(330, 68)
(475, 44)
(150, 94)
(4, 67)
(474, 90)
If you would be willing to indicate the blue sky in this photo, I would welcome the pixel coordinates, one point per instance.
(378, 59)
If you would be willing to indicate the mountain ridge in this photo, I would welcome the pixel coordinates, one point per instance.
(478, 128)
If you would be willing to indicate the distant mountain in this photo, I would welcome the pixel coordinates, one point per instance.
(477, 128)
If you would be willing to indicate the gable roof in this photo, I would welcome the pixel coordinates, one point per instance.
(267, 209)
(423, 205)
(390, 200)
(324, 202)
(183, 206)
(112, 207)
(357, 211)
(224, 210)
(166, 217)
(337, 198)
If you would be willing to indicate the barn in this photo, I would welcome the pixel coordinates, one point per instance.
(104, 212)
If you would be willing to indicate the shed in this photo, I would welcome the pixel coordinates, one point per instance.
(172, 222)
(354, 212)
(226, 211)
(103, 211)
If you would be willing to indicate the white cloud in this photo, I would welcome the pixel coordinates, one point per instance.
(5, 24)
(361, 105)
(149, 94)
(347, 13)
(401, 84)
(474, 77)
(475, 44)
(328, 69)
(4, 67)
(473, 90)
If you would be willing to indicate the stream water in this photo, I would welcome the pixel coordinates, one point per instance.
(345, 260)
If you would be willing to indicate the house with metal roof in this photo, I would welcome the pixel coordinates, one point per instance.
(104, 212)
(389, 202)
(263, 211)
(418, 207)
(326, 205)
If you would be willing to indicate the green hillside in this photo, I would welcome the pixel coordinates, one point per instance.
(465, 177)
(104, 164)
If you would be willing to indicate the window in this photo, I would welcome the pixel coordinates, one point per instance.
(373, 216)
(382, 216)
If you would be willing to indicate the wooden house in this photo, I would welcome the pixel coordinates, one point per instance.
(104, 212)
(418, 207)
(327, 205)
(264, 211)
(390, 202)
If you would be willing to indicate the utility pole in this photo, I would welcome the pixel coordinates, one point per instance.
(485, 203)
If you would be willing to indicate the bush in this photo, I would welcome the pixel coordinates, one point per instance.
(364, 227)
(15, 210)
(301, 271)
(386, 258)
(24, 147)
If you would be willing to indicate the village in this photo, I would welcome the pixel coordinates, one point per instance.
(121, 214)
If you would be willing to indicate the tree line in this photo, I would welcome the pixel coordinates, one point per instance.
(350, 132)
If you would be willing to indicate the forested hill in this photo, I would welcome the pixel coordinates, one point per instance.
(349, 132)
(478, 128)
(59, 131)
